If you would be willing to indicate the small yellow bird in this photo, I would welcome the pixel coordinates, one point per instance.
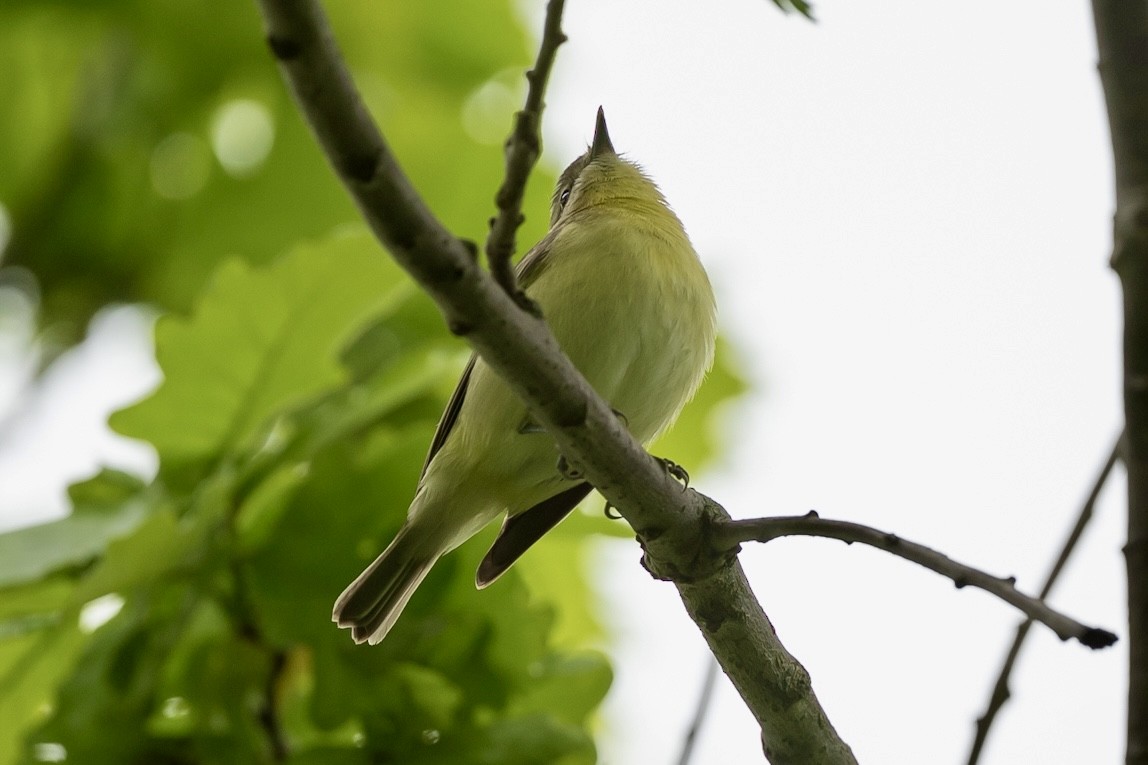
(624, 293)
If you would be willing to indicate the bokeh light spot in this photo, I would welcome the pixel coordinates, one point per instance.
(242, 134)
(179, 166)
(176, 707)
(96, 613)
(486, 113)
(49, 752)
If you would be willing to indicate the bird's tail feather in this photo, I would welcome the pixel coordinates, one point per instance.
(372, 603)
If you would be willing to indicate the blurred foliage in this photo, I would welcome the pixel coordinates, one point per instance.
(117, 113)
(155, 157)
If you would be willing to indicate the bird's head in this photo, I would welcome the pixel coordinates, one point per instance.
(602, 177)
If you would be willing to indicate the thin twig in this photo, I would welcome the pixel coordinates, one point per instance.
(1001, 693)
(731, 533)
(243, 612)
(244, 616)
(704, 697)
(268, 708)
(523, 148)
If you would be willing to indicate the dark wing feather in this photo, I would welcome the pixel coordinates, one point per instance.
(528, 271)
(450, 414)
(535, 262)
(521, 531)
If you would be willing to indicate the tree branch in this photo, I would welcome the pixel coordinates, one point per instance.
(1122, 39)
(522, 151)
(1001, 693)
(670, 521)
(732, 533)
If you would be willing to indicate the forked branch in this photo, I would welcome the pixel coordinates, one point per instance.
(732, 533)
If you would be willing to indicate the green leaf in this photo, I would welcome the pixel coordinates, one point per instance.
(567, 686)
(329, 755)
(556, 571)
(156, 548)
(34, 606)
(536, 739)
(106, 709)
(427, 694)
(392, 389)
(262, 510)
(259, 341)
(29, 685)
(213, 688)
(105, 507)
(108, 490)
(801, 6)
(351, 492)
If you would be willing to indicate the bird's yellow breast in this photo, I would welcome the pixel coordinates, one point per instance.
(631, 306)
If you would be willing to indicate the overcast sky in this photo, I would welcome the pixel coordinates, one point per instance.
(905, 210)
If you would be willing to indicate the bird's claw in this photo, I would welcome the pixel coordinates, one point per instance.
(676, 471)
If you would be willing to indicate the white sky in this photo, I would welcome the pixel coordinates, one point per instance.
(905, 211)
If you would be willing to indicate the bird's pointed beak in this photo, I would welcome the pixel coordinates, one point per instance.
(601, 144)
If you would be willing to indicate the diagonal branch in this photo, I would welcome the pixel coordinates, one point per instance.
(732, 533)
(1001, 693)
(703, 706)
(671, 523)
(522, 151)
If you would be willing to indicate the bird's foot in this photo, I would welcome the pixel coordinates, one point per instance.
(676, 471)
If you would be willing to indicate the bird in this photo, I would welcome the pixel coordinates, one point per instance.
(629, 302)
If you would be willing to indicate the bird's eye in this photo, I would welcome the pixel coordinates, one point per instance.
(564, 197)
